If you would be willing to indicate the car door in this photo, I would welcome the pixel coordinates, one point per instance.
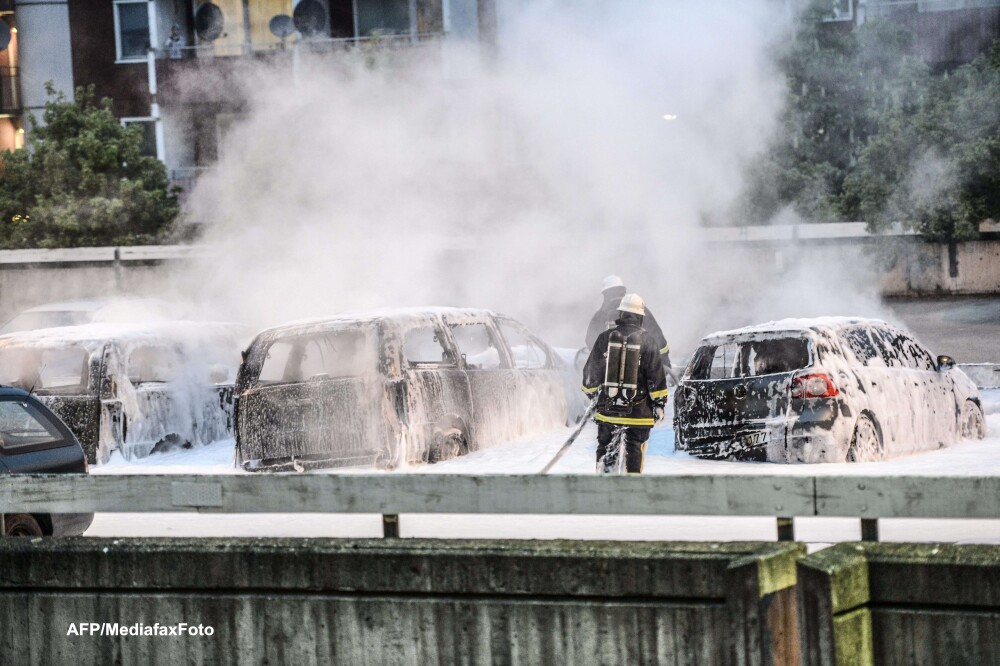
(936, 393)
(437, 387)
(155, 405)
(317, 395)
(541, 389)
(492, 383)
(877, 387)
(903, 415)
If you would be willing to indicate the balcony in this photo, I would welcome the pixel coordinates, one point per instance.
(10, 91)
(180, 72)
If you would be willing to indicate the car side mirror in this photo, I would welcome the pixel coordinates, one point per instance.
(945, 363)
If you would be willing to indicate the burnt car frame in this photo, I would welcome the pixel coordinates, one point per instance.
(135, 388)
(33, 440)
(821, 390)
(387, 388)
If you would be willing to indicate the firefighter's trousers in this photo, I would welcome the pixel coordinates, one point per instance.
(607, 449)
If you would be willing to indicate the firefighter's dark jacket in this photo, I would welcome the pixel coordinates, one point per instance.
(609, 313)
(652, 379)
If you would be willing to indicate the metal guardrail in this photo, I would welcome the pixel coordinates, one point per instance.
(782, 496)
(305, 44)
(103, 254)
(190, 174)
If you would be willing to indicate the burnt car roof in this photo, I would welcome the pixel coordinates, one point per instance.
(813, 324)
(400, 315)
(87, 335)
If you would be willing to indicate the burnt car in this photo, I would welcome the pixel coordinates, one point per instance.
(392, 387)
(34, 441)
(821, 390)
(134, 388)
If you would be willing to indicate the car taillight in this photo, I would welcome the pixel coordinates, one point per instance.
(816, 385)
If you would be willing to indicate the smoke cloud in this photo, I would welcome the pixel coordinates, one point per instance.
(598, 138)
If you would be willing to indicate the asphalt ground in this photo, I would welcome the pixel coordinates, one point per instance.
(965, 328)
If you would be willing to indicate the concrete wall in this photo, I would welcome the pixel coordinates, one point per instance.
(392, 601)
(901, 604)
(311, 601)
(901, 265)
(26, 285)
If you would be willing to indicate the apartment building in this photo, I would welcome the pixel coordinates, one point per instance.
(149, 55)
(947, 33)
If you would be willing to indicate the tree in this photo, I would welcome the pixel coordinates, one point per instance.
(936, 168)
(82, 180)
(840, 85)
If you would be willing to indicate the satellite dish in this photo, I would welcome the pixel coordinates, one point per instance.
(208, 22)
(4, 35)
(309, 17)
(281, 25)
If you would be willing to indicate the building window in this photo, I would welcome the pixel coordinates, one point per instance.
(840, 10)
(132, 29)
(385, 17)
(147, 128)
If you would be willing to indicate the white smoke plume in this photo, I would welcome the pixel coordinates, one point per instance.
(597, 139)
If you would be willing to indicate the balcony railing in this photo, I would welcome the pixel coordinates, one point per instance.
(10, 90)
(312, 45)
(179, 70)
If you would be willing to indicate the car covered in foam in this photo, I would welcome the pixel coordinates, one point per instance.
(392, 387)
(134, 388)
(821, 390)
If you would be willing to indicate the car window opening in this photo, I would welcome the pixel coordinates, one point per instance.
(424, 346)
(21, 425)
(333, 355)
(477, 346)
(153, 364)
(751, 358)
(526, 353)
(44, 368)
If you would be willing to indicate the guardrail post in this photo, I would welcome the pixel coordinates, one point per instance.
(390, 525)
(786, 529)
(869, 529)
(3, 524)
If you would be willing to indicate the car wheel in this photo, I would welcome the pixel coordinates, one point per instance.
(972, 424)
(448, 444)
(22, 525)
(866, 443)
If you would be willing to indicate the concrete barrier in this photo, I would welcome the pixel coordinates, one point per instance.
(985, 375)
(900, 264)
(900, 604)
(311, 601)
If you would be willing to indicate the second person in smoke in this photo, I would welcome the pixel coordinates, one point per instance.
(613, 290)
(626, 375)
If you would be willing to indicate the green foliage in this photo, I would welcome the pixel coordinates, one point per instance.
(870, 133)
(82, 181)
(937, 168)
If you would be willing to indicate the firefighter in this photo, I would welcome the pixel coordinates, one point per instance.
(626, 375)
(613, 290)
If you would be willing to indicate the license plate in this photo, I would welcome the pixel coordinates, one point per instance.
(753, 438)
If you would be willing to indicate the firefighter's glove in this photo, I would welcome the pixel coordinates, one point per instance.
(659, 411)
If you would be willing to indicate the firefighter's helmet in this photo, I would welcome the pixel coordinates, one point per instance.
(633, 303)
(611, 282)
